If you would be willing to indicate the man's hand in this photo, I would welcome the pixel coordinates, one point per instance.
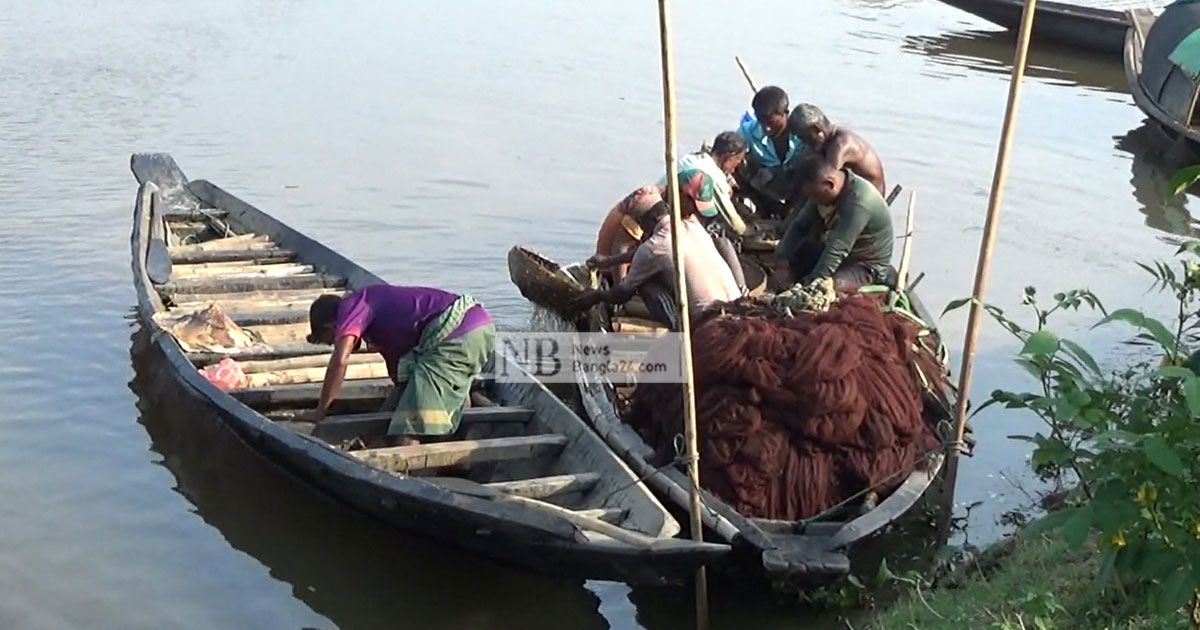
(599, 261)
(585, 301)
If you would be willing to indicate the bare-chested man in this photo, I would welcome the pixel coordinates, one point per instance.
(840, 147)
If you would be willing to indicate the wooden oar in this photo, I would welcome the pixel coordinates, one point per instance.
(906, 250)
(468, 487)
(158, 257)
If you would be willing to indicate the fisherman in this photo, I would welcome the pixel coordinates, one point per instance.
(652, 268)
(773, 148)
(434, 344)
(843, 230)
(839, 146)
(620, 232)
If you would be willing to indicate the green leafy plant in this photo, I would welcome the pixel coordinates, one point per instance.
(1128, 439)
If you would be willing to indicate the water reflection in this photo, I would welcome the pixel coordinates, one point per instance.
(1155, 158)
(353, 571)
(992, 52)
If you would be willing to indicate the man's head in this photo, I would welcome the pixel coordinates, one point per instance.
(810, 123)
(820, 180)
(770, 106)
(322, 318)
(649, 219)
(729, 150)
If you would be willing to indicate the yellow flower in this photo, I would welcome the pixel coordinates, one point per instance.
(1146, 494)
(1196, 528)
(1118, 540)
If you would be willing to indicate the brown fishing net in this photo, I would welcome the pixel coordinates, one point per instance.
(796, 414)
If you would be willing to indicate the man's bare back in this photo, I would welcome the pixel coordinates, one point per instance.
(841, 147)
(846, 149)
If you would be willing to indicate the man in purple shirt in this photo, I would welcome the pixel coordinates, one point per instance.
(434, 343)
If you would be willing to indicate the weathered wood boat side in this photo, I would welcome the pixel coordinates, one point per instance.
(1087, 28)
(1165, 92)
(540, 489)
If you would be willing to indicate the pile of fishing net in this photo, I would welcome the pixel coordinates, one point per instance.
(796, 414)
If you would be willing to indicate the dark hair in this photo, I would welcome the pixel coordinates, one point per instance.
(728, 143)
(322, 314)
(812, 169)
(807, 115)
(770, 100)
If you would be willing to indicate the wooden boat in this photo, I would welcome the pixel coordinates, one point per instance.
(810, 553)
(1164, 91)
(532, 484)
(1087, 28)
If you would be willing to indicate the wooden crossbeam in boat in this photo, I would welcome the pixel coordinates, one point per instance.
(608, 515)
(545, 487)
(241, 241)
(349, 426)
(311, 361)
(265, 353)
(191, 286)
(262, 254)
(196, 215)
(239, 269)
(308, 393)
(275, 334)
(354, 371)
(283, 298)
(637, 324)
(462, 453)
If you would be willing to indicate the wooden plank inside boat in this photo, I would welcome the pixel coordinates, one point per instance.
(247, 284)
(546, 487)
(344, 427)
(308, 393)
(180, 255)
(462, 453)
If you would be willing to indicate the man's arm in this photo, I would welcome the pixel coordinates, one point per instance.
(850, 150)
(335, 374)
(850, 224)
(600, 261)
(797, 226)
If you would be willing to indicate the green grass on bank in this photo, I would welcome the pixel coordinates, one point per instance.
(1031, 575)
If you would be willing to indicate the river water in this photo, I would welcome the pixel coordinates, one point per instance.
(423, 140)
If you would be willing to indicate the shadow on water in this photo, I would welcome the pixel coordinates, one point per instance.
(992, 52)
(1155, 158)
(357, 573)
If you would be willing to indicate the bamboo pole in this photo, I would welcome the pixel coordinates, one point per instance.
(685, 324)
(993, 218)
(906, 250)
(746, 73)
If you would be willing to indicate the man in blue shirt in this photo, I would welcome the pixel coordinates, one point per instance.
(773, 149)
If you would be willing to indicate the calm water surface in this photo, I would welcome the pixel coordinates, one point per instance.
(423, 140)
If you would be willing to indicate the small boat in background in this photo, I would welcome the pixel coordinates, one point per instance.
(524, 480)
(1086, 28)
(1162, 66)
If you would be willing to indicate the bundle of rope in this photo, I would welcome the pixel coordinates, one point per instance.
(796, 414)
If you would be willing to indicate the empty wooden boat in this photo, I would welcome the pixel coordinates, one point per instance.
(524, 480)
(1086, 28)
(1162, 66)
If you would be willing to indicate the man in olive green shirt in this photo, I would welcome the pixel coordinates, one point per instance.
(843, 231)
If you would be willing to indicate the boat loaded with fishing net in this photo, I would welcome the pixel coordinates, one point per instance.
(822, 419)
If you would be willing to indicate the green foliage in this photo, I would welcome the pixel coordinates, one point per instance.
(1130, 439)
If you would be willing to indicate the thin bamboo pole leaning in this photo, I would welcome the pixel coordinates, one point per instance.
(906, 250)
(746, 73)
(685, 324)
(992, 220)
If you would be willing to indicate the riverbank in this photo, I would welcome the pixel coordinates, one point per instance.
(1025, 577)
